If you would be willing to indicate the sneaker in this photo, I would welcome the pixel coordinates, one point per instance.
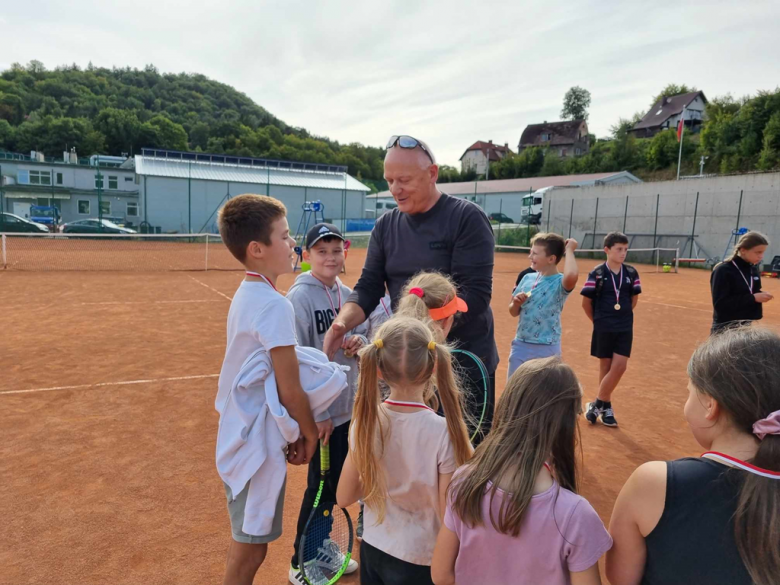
(608, 417)
(329, 557)
(315, 575)
(592, 412)
(359, 531)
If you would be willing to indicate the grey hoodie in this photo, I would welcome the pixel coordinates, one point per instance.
(314, 313)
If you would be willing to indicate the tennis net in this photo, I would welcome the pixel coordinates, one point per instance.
(653, 258)
(115, 252)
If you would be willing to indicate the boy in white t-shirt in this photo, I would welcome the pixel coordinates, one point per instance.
(255, 230)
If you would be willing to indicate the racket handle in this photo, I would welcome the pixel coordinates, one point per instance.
(324, 458)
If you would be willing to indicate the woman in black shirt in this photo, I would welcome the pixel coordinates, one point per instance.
(711, 519)
(736, 283)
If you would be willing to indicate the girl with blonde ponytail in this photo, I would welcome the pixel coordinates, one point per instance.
(402, 454)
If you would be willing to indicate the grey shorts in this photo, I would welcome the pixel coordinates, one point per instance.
(236, 507)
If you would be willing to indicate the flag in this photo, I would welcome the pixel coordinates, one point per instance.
(680, 126)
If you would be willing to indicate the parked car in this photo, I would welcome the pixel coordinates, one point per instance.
(15, 224)
(93, 226)
(500, 218)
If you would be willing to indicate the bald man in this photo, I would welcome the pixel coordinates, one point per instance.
(430, 231)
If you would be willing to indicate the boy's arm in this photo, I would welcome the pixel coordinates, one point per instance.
(294, 399)
(634, 301)
(587, 306)
(570, 272)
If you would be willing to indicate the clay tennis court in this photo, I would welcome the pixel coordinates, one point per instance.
(108, 425)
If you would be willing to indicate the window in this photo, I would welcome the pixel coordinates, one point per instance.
(537, 200)
(128, 179)
(40, 177)
(526, 201)
(98, 181)
(132, 209)
(59, 178)
(379, 205)
(43, 202)
(113, 182)
(8, 218)
(84, 207)
(105, 207)
(545, 137)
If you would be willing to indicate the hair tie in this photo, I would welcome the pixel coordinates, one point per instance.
(417, 291)
(432, 345)
(767, 426)
(379, 343)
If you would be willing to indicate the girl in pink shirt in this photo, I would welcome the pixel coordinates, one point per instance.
(513, 514)
(402, 454)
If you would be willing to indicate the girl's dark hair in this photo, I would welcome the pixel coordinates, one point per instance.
(535, 422)
(740, 369)
(748, 241)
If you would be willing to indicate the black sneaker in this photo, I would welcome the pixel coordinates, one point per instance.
(359, 531)
(592, 412)
(608, 417)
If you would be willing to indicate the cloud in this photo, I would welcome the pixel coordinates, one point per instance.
(449, 72)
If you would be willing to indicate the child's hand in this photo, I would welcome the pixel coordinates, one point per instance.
(571, 245)
(352, 345)
(763, 297)
(519, 299)
(296, 453)
(326, 430)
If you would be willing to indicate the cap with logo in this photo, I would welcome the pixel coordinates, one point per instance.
(322, 230)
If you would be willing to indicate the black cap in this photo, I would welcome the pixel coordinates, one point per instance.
(322, 230)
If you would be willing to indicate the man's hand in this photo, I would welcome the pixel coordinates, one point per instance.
(571, 245)
(352, 345)
(763, 297)
(326, 430)
(334, 339)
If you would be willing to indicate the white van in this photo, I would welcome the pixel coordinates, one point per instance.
(382, 207)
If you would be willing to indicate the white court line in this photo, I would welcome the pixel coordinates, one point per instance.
(211, 288)
(677, 307)
(99, 303)
(126, 383)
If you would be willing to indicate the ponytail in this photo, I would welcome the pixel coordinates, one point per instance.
(747, 241)
(452, 401)
(740, 369)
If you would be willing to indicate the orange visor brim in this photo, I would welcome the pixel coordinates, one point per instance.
(456, 305)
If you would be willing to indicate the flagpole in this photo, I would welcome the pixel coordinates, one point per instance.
(682, 133)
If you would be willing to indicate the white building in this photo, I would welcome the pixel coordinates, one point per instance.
(181, 192)
(70, 184)
(478, 154)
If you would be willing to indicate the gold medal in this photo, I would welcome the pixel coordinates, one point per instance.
(528, 295)
(617, 307)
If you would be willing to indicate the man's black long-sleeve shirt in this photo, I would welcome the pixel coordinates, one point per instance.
(453, 237)
(732, 298)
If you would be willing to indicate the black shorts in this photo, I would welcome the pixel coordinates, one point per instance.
(604, 344)
(379, 568)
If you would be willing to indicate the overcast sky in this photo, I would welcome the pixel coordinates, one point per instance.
(449, 72)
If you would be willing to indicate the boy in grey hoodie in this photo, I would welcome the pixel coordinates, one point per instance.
(317, 297)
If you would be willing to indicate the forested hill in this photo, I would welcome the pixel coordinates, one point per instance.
(111, 111)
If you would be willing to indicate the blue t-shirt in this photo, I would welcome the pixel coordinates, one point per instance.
(540, 316)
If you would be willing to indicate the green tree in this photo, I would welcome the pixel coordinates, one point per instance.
(769, 158)
(121, 129)
(169, 134)
(6, 135)
(670, 90)
(553, 165)
(575, 104)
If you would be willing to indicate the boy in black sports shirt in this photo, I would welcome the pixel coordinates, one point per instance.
(609, 297)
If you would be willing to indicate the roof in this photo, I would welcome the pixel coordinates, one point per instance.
(235, 173)
(486, 147)
(667, 107)
(525, 185)
(563, 133)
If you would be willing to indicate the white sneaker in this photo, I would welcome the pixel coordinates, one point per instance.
(315, 575)
(331, 558)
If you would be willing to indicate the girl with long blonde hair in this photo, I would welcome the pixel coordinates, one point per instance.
(402, 454)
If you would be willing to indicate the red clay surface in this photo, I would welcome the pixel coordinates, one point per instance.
(105, 481)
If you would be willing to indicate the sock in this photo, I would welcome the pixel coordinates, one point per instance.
(599, 403)
(606, 405)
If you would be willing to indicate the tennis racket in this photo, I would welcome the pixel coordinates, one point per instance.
(326, 543)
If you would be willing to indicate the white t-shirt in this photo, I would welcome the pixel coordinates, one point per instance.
(417, 450)
(259, 318)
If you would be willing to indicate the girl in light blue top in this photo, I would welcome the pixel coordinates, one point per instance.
(539, 298)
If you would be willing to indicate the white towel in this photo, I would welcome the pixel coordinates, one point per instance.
(254, 429)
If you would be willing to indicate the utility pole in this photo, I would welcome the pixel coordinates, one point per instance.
(99, 182)
(682, 134)
(701, 165)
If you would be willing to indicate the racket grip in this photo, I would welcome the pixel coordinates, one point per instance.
(324, 457)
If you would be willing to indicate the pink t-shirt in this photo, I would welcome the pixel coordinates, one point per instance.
(560, 533)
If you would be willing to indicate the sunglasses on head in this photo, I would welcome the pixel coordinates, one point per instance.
(407, 142)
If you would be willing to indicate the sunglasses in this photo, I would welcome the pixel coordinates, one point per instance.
(407, 142)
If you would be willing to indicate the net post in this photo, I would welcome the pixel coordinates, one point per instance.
(206, 268)
(5, 262)
(677, 261)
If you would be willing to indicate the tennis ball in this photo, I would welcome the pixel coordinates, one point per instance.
(305, 267)
(667, 268)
